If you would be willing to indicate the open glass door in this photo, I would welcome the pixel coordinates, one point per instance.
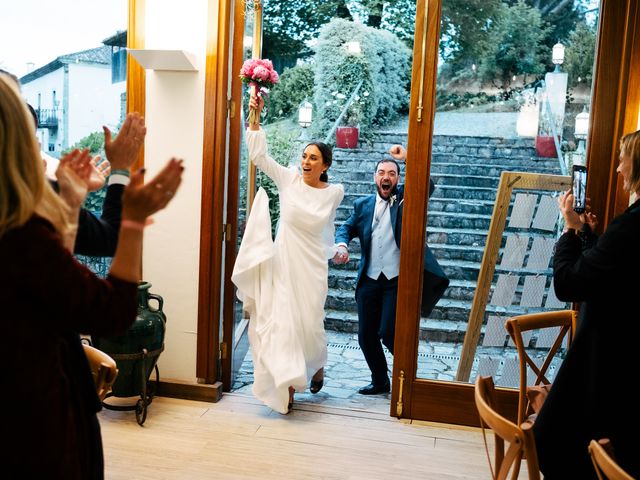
(497, 86)
(246, 43)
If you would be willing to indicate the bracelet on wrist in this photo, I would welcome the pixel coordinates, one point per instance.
(132, 225)
(121, 171)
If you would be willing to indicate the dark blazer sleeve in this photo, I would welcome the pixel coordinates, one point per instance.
(349, 229)
(98, 237)
(581, 275)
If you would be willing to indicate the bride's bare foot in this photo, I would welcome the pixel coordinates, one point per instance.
(291, 392)
(317, 381)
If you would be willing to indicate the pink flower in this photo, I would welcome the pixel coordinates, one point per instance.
(261, 73)
(247, 70)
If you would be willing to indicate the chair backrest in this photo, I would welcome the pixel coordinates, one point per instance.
(564, 321)
(103, 369)
(604, 461)
(520, 438)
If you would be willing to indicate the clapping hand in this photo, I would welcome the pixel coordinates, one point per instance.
(123, 150)
(140, 201)
(100, 170)
(73, 174)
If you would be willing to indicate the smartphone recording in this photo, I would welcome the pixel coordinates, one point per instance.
(579, 188)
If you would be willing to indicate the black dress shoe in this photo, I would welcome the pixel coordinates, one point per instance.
(373, 389)
(316, 386)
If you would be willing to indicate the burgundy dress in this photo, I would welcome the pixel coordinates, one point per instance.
(48, 403)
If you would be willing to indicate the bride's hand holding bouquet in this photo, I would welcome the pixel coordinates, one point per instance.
(260, 76)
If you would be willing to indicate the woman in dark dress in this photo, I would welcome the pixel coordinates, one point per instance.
(591, 395)
(48, 404)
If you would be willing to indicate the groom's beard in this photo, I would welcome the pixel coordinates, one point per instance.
(388, 191)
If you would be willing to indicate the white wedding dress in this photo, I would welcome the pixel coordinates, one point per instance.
(283, 284)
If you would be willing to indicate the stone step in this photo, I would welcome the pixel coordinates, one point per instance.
(366, 161)
(436, 204)
(343, 172)
(453, 269)
(441, 252)
(440, 219)
(442, 179)
(449, 328)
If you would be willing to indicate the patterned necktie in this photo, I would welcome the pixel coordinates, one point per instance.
(381, 207)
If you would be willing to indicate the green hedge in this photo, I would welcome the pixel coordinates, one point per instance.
(383, 66)
(295, 85)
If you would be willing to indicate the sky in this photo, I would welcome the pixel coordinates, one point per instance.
(38, 31)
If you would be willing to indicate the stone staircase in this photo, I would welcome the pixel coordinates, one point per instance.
(466, 171)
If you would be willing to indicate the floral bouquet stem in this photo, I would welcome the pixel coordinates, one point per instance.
(260, 76)
(254, 116)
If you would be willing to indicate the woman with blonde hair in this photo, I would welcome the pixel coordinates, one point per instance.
(49, 404)
(590, 396)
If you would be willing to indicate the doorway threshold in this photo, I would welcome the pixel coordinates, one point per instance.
(346, 371)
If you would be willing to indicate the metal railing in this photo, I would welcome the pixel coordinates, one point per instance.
(47, 118)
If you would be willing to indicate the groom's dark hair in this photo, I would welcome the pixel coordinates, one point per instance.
(388, 160)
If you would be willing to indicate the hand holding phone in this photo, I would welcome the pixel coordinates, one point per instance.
(579, 188)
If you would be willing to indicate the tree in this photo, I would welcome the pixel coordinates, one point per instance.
(288, 25)
(514, 45)
(295, 85)
(560, 15)
(580, 55)
(465, 24)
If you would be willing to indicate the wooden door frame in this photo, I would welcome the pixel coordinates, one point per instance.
(212, 229)
(233, 192)
(615, 104)
(136, 78)
(614, 111)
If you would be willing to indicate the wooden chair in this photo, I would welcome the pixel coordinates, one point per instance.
(566, 320)
(520, 438)
(103, 369)
(604, 461)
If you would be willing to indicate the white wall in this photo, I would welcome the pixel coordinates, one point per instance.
(45, 86)
(93, 100)
(174, 118)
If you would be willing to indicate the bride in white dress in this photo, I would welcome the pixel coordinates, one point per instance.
(283, 283)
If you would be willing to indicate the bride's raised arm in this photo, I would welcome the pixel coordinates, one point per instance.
(258, 154)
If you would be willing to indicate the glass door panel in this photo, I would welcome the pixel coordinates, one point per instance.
(512, 94)
(354, 72)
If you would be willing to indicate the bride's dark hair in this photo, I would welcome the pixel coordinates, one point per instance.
(327, 157)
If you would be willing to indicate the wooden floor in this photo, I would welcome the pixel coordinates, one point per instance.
(239, 438)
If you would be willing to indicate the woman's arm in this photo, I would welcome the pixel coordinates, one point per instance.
(583, 275)
(139, 202)
(257, 145)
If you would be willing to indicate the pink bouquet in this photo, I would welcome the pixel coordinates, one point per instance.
(260, 75)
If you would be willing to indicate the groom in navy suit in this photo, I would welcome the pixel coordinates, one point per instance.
(377, 222)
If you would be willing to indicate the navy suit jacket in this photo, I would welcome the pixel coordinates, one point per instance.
(98, 236)
(359, 224)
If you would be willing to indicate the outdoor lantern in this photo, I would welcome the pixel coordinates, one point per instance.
(557, 55)
(582, 124)
(353, 47)
(305, 114)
